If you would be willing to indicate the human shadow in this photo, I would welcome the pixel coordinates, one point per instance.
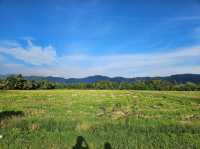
(107, 145)
(80, 143)
(8, 114)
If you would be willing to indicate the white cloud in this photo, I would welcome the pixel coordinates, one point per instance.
(32, 54)
(120, 61)
(80, 65)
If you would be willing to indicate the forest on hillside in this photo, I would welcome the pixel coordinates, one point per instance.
(18, 82)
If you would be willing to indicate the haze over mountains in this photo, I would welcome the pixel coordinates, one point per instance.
(179, 78)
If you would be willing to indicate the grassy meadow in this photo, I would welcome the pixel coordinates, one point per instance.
(51, 119)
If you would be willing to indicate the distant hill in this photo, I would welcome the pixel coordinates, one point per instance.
(179, 78)
(51, 79)
(182, 78)
(3, 76)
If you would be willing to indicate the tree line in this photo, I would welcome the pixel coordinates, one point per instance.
(19, 82)
(161, 85)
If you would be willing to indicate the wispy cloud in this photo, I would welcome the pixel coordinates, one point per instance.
(33, 54)
(183, 60)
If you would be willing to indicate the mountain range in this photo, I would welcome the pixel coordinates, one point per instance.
(179, 78)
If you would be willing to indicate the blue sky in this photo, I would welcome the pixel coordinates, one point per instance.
(77, 38)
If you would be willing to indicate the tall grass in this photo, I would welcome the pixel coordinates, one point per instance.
(124, 119)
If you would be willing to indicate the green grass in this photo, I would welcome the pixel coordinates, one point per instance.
(125, 119)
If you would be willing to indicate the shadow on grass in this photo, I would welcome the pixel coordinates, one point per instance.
(9, 114)
(107, 145)
(82, 144)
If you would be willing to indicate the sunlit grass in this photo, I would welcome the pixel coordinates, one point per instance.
(125, 119)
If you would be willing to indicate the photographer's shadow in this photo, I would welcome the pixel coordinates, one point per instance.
(107, 145)
(82, 144)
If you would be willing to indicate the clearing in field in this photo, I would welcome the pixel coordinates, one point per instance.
(99, 119)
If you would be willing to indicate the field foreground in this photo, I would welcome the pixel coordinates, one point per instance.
(121, 119)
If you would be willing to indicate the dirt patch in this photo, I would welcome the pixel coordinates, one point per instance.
(83, 126)
(119, 114)
(192, 117)
(115, 112)
(149, 116)
(34, 126)
(35, 112)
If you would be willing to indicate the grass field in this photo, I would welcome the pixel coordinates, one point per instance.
(45, 119)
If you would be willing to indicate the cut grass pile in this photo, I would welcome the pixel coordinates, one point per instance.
(124, 119)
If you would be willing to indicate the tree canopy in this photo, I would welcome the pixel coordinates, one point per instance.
(18, 82)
